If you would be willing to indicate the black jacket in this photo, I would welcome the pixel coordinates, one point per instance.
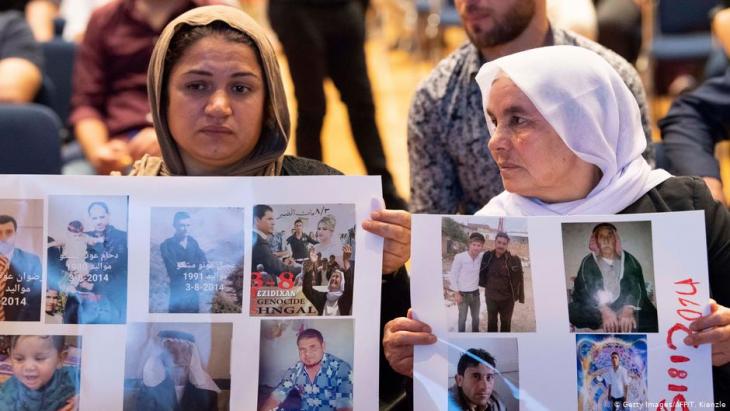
(696, 122)
(691, 193)
(514, 268)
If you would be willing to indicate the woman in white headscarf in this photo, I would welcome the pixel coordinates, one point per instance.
(567, 137)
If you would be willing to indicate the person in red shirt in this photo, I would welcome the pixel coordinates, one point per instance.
(110, 111)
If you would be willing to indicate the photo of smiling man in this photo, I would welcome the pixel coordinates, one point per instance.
(306, 365)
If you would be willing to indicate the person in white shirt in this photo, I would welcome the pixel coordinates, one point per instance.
(465, 281)
(618, 383)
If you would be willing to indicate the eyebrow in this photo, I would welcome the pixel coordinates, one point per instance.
(209, 74)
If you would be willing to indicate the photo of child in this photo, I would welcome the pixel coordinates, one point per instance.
(44, 373)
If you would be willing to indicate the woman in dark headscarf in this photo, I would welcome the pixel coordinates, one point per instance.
(219, 109)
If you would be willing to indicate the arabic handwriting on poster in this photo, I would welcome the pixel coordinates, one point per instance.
(323, 210)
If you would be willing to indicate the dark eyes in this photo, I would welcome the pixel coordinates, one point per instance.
(201, 87)
(513, 121)
(517, 120)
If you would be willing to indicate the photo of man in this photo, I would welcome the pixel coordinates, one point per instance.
(486, 266)
(484, 376)
(262, 254)
(501, 275)
(53, 316)
(465, 276)
(612, 371)
(184, 261)
(315, 374)
(20, 273)
(299, 242)
(315, 276)
(177, 367)
(196, 260)
(608, 288)
(618, 383)
(90, 245)
(475, 379)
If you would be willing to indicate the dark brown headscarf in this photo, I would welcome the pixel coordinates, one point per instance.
(266, 157)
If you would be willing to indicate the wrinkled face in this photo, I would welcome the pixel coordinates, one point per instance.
(7, 233)
(51, 301)
(298, 226)
(311, 351)
(477, 384)
(99, 218)
(500, 245)
(324, 234)
(34, 360)
(532, 158)
(216, 103)
(265, 224)
(606, 240)
(489, 23)
(182, 227)
(475, 247)
(335, 281)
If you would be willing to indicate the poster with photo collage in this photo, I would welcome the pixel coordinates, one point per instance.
(188, 293)
(581, 313)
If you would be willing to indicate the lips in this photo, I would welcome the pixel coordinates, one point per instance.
(216, 130)
(507, 166)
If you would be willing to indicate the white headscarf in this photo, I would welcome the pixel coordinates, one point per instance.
(154, 371)
(590, 107)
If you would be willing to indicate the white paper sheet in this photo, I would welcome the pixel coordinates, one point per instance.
(107, 349)
(563, 368)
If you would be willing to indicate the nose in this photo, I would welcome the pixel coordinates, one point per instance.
(499, 141)
(218, 104)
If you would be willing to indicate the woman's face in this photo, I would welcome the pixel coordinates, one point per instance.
(324, 234)
(532, 158)
(216, 104)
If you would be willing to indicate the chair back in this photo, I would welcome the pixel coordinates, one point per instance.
(30, 140)
(59, 57)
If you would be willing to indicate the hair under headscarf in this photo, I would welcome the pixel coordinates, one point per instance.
(592, 110)
(265, 159)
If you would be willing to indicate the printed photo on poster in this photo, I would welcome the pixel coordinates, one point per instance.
(178, 366)
(306, 364)
(609, 273)
(483, 374)
(87, 257)
(303, 260)
(196, 260)
(40, 372)
(487, 278)
(21, 245)
(612, 372)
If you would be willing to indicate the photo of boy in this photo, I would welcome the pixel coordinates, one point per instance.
(40, 378)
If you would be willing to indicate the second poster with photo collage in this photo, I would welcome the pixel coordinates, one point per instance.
(577, 300)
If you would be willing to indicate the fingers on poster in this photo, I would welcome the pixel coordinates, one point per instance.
(168, 364)
(43, 372)
(196, 260)
(294, 351)
(303, 260)
(87, 259)
(487, 274)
